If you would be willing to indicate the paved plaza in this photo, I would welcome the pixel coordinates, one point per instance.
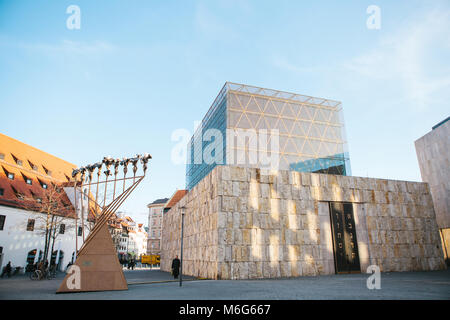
(146, 284)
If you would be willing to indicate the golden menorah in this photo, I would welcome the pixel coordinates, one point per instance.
(97, 267)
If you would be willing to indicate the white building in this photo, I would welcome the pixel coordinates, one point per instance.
(27, 176)
(141, 240)
(155, 218)
(23, 241)
(129, 238)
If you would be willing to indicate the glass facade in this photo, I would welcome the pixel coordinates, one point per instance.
(216, 118)
(310, 132)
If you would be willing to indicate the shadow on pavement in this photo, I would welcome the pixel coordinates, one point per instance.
(151, 276)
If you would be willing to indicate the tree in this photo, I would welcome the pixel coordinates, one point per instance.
(52, 209)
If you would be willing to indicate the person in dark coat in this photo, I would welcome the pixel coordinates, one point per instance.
(176, 267)
(7, 269)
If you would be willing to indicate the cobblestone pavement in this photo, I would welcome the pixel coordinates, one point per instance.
(401, 285)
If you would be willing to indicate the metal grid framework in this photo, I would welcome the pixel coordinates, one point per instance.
(311, 130)
(196, 168)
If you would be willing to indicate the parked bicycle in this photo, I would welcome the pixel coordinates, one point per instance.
(46, 274)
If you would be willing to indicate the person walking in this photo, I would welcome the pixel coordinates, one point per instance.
(175, 267)
(7, 269)
(52, 268)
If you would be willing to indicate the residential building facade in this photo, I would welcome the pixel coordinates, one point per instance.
(141, 240)
(155, 219)
(28, 177)
(129, 238)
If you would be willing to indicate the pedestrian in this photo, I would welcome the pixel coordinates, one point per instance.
(52, 267)
(176, 267)
(133, 263)
(7, 269)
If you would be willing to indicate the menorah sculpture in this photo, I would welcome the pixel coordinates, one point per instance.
(97, 266)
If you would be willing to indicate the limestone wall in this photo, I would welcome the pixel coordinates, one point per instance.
(249, 223)
(434, 158)
(200, 230)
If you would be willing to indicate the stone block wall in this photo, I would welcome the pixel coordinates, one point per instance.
(434, 161)
(249, 223)
(200, 230)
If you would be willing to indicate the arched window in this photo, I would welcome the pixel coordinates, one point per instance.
(30, 260)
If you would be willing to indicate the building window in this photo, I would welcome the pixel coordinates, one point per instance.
(30, 225)
(2, 221)
(27, 180)
(43, 184)
(10, 175)
(17, 193)
(48, 172)
(18, 162)
(80, 231)
(32, 165)
(2, 191)
(62, 228)
(2, 156)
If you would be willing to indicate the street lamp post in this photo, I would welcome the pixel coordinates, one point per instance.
(183, 210)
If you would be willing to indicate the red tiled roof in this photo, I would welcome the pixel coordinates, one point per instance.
(177, 196)
(27, 162)
(30, 194)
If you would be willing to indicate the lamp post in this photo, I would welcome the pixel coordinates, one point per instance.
(183, 211)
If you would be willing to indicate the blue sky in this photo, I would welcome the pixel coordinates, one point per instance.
(138, 70)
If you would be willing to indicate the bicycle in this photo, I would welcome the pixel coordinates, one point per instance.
(39, 275)
(36, 275)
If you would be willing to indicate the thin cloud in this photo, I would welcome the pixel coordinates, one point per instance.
(68, 47)
(411, 61)
(407, 59)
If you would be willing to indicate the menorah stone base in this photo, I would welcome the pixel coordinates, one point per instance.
(100, 269)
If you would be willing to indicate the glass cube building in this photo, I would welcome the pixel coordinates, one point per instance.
(309, 133)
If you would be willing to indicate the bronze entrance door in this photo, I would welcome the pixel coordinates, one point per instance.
(346, 258)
